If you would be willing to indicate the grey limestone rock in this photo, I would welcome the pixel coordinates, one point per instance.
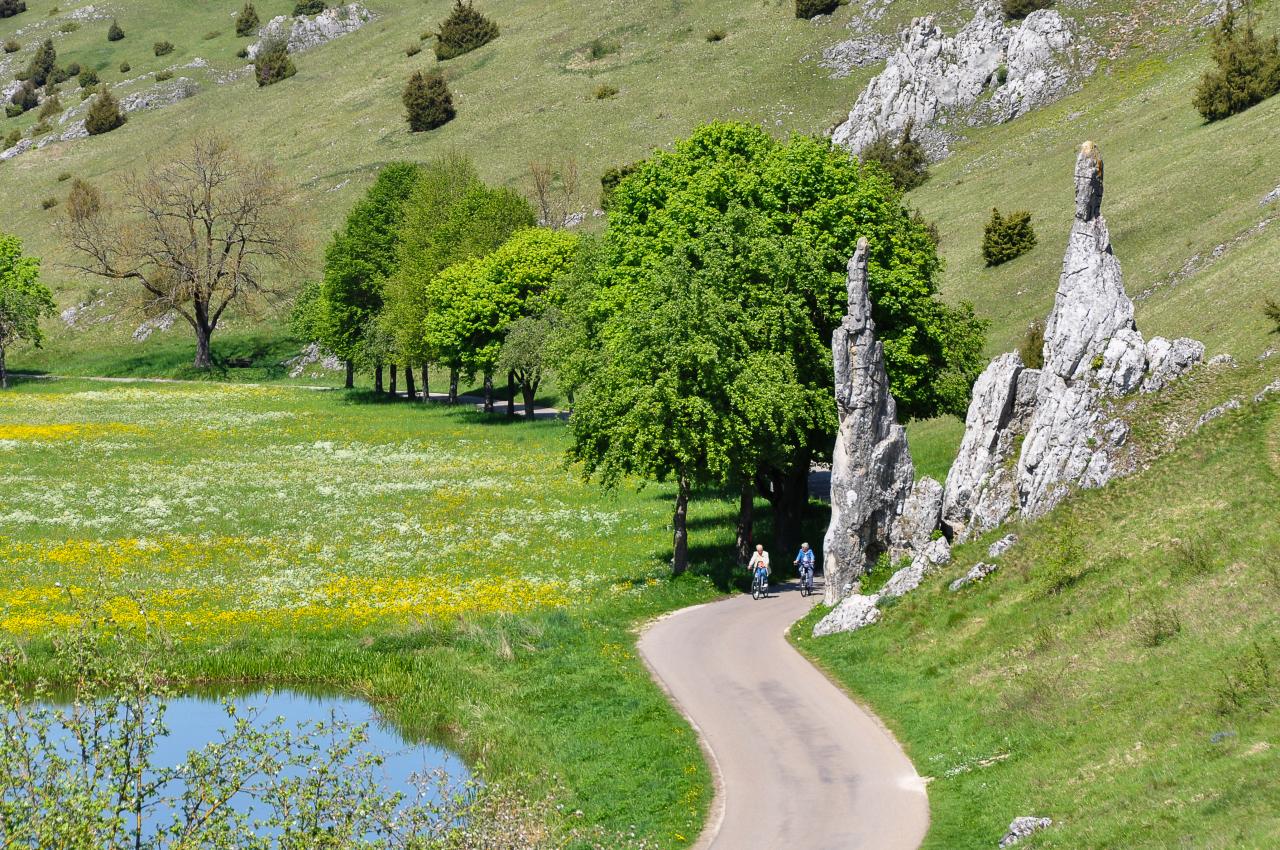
(1022, 827)
(1004, 544)
(158, 97)
(907, 579)
(1269, 389)
(312, 355)
(303, 33)
(1168, 360)
(871, 472)
(161, 323)
(978, 572)
(981, 487)
(853, 613)
(913, 529)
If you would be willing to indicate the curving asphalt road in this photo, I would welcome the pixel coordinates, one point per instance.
(799, 766)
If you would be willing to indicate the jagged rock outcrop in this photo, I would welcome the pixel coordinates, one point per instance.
(914, 528)
(907, 579)
(304, 33)
(1168, 360)
(853, 613)
(1092, 354)
(1004, 544)
(933, 78)
(981, 489)
(976, 574)
(871, 471)
(158, 97)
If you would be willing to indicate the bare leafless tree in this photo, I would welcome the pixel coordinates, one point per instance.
(555, 188)
(196, 234)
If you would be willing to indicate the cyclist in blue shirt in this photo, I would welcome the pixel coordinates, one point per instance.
(804, 561)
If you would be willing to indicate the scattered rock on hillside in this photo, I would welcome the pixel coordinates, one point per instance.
(304, 33)
(976, 574)
(871, 471)
(981, 487)
(160, 96)
(1271, 197)
(853, 613)
(856, 52)
(1222, 361)
(1004, 544)
(914, 528)
(907, 579)
(1215, 412)
(1169, 360)
(82, 313)
(1022, 827)
(1269, 389)
(310, 356)
(932, 78)
(156, 323)
(21, 147)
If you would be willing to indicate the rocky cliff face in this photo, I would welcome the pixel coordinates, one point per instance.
(871, 472)
(303, 33)
(933, 79)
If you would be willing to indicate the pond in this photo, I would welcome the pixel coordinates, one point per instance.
(299, 723)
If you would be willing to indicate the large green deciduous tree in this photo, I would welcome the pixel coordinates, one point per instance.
(24, 300)
(768, 227)
(358, 261)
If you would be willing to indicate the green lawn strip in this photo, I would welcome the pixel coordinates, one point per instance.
(1118, 674)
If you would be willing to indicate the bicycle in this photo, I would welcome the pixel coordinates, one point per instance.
(760, 585)
(806, 581)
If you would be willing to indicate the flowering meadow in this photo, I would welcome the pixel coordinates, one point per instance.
(212, 511)
(445, 565)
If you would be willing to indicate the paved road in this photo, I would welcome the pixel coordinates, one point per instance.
(800, 766)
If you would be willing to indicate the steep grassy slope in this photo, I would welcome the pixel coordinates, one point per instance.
(1121, 672)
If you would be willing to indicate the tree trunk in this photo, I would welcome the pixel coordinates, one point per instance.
(488, 391)
(393, 380)
(789, 498)
(680, 530)
(4, 372)
(453, 385)
(351, 375)
(377, 378)
(746, 519)
(529, 391)
(511, 394)
(410, 390)
(426, 383)
(204, 360)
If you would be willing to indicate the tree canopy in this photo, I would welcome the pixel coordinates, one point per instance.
(24, 300)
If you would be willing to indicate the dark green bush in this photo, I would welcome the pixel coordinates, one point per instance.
(599, 48)
(427, 102)
(247, 21)
(463, 31)
(1031, 348)
(68, 26)
(125, 67)
(604, 91)
(12, 46)
(162, 48)
(74, 69)
(50, 107)
(57, 76)
(1017, 9)
(806, 9)
(272, 63)
(13, 137)
(1247, 72)
(43, 63)
(242, 53)
(9, 8)
(104, 113)
(904, 160)
(716, 34)
(114, 32)
(611, 178)
(1271, 309)
(161, 76)
(48, 203)
(25, 97)
(413, 50)
(64, 176)
(1006, 237)
(12, 110)
(88, 78)
(308, 7)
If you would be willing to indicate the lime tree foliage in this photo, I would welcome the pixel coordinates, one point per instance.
(700, 330)
(525, 355)
(806, 9)
(9, 8)
(463, 31)
(24, 300)
(342, 310)
(247, 21)
(115, 32)
(104, 113)
(427, 101)
(610, 180)
(905, 160)
(1007, 236)
(1247, 69)
(1016, 10)
(472, 304)
(272, 63)
(451, 217)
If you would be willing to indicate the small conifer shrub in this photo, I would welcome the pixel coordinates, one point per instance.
(272, 63)
(599, 48)
(806, 9)
(104, 113)
(242, 53)
(1016, 10)
(25, 97)
(12, 138)
(125, 67)
(68, 26)
(162, 48)
(1271, 309)
(308, 7)
(43, 63)
(716, 34)
(115, 33)
(162, 76)
(48, 203)
(12, 110)
(88, 78)
(904, 160)
(74, 69)
(604, 91)
(1247, 72)
(1031, 348)
(12, 46)
(9, 8)
(463, 31)
(1007, 237)
(50, 107)
(427, 102)
(247, 21)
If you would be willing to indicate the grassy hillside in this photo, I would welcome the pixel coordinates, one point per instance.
(1120, 673)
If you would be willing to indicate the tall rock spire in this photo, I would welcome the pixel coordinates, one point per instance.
(871, 472)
